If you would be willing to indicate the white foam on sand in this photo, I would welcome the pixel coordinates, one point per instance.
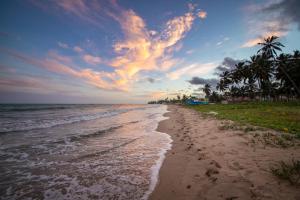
(162, 154)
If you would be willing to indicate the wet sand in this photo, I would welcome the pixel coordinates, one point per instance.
(206, 162)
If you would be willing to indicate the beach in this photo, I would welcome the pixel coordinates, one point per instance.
(208, 161)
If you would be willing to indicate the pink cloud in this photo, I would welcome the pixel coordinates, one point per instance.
(99, 79)
(22, 81)
(56, 56)
(7, 69)
(78, 49)
(93, 60)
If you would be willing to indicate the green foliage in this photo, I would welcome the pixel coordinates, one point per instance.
(276, 115)
(264, 75)
(290, 172)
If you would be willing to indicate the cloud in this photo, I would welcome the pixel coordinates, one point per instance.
(93, 60)
(190, 51)
(252, 42)
(152, 32)
(226, 65)
(287, 9)
(150, 80)
(7, 69)
(202, 14)
(190, 70)
(63, 45)
(222, 41)
(141, 49)
(78, 49)
(25, 82)
(20, 82)
(89, 11)
(99, 79)
(60, 58)
(271, 18)
(202, 81)
(158, 94)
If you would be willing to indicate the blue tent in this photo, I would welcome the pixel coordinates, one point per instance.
(195, 102)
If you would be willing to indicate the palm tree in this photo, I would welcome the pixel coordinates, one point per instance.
(238, 72)
(296, 54)
(184, 98)
(261, 70)
(288, 71)
(207, 90)
(296, 71)
(268, 51)
(270, 46)
(221, 86)
(215, 97)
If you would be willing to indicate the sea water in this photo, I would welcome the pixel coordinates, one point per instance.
(80, 151)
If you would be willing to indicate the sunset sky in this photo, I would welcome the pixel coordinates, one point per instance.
(133, 51)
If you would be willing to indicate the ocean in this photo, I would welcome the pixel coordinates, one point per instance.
(80, 151)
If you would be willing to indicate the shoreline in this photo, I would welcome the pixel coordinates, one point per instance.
(206, 162)
(155, 169)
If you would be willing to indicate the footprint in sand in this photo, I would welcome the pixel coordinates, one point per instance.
(236, 166)
(210, 172)
(215, 163)
(201, 156)
(189, 147)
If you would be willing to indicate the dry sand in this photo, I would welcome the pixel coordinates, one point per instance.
(208, 163)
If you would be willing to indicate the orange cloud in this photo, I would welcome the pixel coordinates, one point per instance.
(202, 14)
(144, 51)
(141, 49)
(255, 41)
(252, 42)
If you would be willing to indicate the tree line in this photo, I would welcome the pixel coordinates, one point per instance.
(264, 76)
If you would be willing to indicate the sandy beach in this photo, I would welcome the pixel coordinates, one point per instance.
(208, 162)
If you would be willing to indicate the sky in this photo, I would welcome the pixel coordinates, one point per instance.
(130, 51)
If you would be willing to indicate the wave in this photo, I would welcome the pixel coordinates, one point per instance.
(16, 123)
(41, 124)
(98, 153)
(100, 132)
(40, 107)
(72, 138)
